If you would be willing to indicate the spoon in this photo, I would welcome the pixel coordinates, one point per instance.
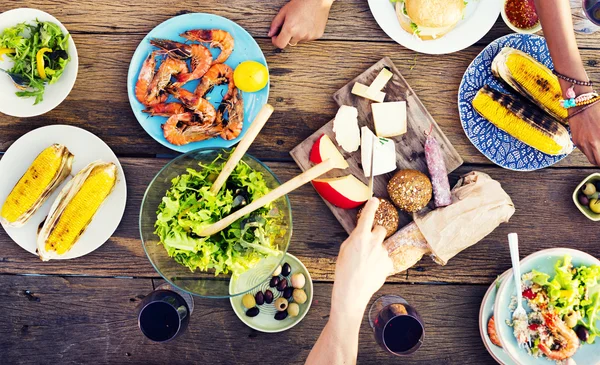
(519, 314)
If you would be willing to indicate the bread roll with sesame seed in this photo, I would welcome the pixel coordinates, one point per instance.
(385, 216)
(410, 190)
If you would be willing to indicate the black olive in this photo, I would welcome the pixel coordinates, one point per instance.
(286, 269)
(282, 284)
(268, 297)
(274, 281)
(287, 293)
(260, 298)
(252, 312)
(280, 316)
(582, 333)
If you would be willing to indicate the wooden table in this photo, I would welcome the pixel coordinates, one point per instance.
(83, 310)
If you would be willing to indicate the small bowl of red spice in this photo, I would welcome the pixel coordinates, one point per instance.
(520, 16)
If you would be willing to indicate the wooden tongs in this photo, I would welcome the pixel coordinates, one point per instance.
(274, 194)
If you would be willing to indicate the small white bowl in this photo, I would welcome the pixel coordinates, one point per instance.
(54, 94)
(531, 30)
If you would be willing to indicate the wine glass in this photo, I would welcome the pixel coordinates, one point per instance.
(397, 326)
(586, 16)
(165, 313)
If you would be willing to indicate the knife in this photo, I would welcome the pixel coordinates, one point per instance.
(371, 167)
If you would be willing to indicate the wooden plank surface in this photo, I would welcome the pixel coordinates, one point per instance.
(52, 320)
(303, 80)
(545, 217)
(348, 19)
(410, 153)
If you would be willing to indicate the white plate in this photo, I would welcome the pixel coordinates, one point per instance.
(265, 321)
(54, 94)
(87, 148)
(480, 16)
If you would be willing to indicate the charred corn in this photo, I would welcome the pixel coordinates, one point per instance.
(75, 208)
(531, 79)
(46, 173)
(523, 121)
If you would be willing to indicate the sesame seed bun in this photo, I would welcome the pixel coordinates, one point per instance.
(386, 216)
(410, 190)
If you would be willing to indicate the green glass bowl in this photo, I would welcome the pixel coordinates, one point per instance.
(205, 284)
(585, 210)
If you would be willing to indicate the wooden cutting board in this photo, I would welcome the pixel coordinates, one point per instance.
(410, 152)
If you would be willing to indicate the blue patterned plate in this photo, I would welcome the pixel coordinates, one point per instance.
(495, 144)
(245, 49)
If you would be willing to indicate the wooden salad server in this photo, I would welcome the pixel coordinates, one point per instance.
(274, 194)
(259, 122)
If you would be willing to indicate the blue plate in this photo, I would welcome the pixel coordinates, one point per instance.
(485, 312)
(543, 261)
(245, 49)
(495, 144)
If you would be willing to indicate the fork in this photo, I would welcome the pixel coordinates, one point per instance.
(519, 313)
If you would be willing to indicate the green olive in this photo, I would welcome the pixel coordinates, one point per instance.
(571, 319)
(281, 304)
(248, 301)
(595, 205)
(589, 189)
(299, 296)
(293, 309)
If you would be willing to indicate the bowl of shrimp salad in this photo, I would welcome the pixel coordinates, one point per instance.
(561, 294)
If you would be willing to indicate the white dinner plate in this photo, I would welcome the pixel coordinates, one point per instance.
(87, 148)
(54, 94)
(480, 16)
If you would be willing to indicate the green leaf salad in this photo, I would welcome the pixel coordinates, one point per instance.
(39, 52)
(188, 207)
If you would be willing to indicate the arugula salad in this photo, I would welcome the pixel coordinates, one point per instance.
(39, 52)
(188, 207)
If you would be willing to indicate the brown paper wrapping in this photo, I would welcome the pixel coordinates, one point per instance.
(479, 205)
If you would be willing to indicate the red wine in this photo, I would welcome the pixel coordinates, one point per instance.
(163, 315)
(592, 10)
(402, 333)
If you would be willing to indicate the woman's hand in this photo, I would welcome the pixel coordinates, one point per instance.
(585, 128)
(298, 21)
(362, 266)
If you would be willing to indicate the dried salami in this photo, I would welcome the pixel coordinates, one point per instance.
(437, 172)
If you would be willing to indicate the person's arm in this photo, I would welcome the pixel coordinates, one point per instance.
(555, 17)
(299, 21)
(362, 266)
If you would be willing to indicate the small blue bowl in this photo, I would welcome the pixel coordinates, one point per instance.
(542, 261)
(245, 49)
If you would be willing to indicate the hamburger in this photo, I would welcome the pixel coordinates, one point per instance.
(429, 19)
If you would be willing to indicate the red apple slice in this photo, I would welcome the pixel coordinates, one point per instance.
(346, 192)
(324, 149)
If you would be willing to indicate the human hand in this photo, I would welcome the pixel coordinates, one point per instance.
(362, 265)
(585, 129)
(299, 20)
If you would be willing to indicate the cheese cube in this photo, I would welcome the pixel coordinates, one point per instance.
(361, 90)
(345, 126)
(390, 118)
(379, 83)
(384, 153)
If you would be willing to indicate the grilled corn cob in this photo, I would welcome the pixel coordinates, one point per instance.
(523, 121)
(75, 208)
(531, 79)
(46, 173)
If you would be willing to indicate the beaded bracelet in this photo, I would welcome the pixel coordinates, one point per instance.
(572, 81)
(583, 109)
(580, 100)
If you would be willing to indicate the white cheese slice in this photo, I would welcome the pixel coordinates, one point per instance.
(379, 83)
(384, 159)
(361, 90)
(390, 118)
(345, 126)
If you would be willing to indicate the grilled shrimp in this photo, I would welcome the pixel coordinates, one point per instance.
(216, 75)
(232, 126)
(216, 37)
(492, 332)
(200, 56)
(181, 129)
(142, 86)
(564, 336)
(170, 66)
(165, 109)
(200, 106)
